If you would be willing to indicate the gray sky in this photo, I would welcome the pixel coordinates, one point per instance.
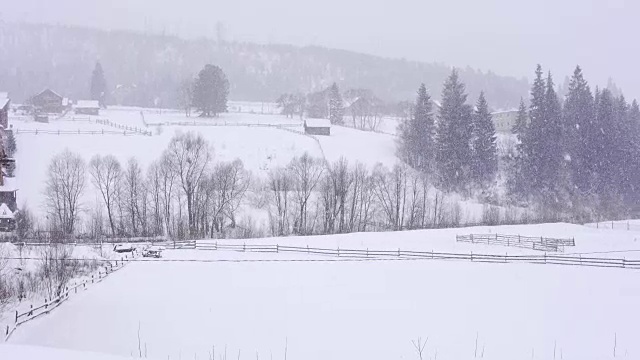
(506, 36)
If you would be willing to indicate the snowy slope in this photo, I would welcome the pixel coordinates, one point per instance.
(261, 148)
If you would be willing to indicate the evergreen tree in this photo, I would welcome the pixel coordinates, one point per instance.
(552, 151)
(520, 127)
(453, 135)
(98, 85)
(579, 131)
(484, 164)
(606, 148)
(336, 108)
(211, 91)
(416, 134)
(518, 184)
(532, 143)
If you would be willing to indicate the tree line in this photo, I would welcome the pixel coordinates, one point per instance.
(187, 194)
(576, 158)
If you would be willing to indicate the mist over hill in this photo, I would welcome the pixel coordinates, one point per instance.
(146, 70)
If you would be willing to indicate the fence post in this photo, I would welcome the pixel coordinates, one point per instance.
(45, 303)
(624, 263)
(472, 256)
(30, 309)
(16, 316)
(545, 257)
(277, 248)
(244, 247)
(7, 333)
(338, 251)
(398, 252)
(472, 238)
(307, 248)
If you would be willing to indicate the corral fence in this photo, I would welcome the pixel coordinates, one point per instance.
(77, 132)
(131, 129)
(215, 122)
(615, 225)
(51, 303)
(525, 242)
(399, 254)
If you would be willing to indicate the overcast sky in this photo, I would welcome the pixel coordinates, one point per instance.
(506, 36)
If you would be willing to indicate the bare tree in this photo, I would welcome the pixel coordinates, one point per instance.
(189, 156)
(154, 190)
(391, 192)
(64, 186)
(280, 186)
(167, 193)
(133, 195)
(105, 175)
(306, 173)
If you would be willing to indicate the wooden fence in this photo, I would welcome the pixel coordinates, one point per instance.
(77, 132)
(368, 254)
(132, 129)
(526, 242)
(50, 304)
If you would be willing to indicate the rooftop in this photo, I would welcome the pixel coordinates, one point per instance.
(317, 123)
(10, 185)
(5, 212)
(88, 104)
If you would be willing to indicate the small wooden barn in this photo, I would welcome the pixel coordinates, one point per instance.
(87, 107)
(317, 127)
(48, 101)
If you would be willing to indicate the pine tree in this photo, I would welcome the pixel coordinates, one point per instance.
(520, 127)
(518, 184)
(552, 155)
(416, 134)
(453, 135)
(98, 85)
(211, 91)
(484, 164)
(579, 131)
(532, 143)
(606, 148)
(336, 108)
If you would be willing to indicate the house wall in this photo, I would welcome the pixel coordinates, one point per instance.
(325, 131)
(48, 102)
(85, 111)
(4, 116)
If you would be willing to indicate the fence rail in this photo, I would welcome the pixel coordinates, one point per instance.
(52, 303)
(526, 242)
(75, 132)
(555, 259)
(132, 129)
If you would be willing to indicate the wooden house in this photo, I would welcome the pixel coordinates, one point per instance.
(48, 102)
(317, 127)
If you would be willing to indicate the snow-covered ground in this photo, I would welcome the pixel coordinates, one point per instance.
(259, 303)
(347, 310)
(589, 241)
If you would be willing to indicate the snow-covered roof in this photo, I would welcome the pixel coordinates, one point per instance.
(504, 111)
(3, 101)
(10, 184)
(51, 91)
(5, 212)
(88, 104)
(317, 123)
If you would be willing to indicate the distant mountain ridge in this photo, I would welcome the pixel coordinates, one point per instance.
(147, 69)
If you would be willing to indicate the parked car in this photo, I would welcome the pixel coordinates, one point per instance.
(152, 252)
(124, 248)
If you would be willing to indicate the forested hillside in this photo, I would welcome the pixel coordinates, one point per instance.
(147, 70)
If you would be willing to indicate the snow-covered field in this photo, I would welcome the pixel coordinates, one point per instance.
(261, 148)
(199, 302)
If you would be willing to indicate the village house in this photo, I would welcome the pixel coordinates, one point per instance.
(317, 127)
(87, 107)
(48, 102)
(5, 104)
(504, 121)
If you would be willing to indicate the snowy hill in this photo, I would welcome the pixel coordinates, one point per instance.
(152, 67)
